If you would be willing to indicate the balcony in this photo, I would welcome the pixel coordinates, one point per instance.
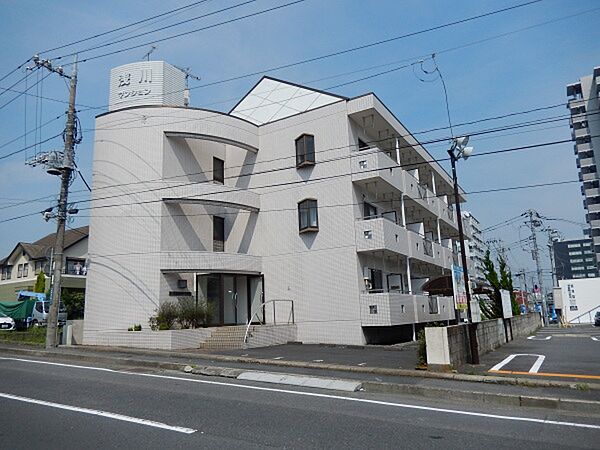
(425, 250)
(187, 261)
(586, 162)
(211, 194)
(588, 176)
(381, 234)
(580, 148)
(373, 164)
(392, 308)
(580, 132)
(575, 103)
(421, 194)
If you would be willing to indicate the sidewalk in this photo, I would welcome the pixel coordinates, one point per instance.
(388, 380)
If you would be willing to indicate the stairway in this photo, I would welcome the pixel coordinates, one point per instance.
(226, 338)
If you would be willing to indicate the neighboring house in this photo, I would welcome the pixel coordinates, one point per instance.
(295, 195)
(21, 267)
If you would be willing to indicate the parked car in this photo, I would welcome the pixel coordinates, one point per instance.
(6, 323)
(597, 319)
(40, 313)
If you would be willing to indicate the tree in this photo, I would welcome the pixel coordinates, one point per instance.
(492, 309)
(74, 301)
(501, 281)
(40, 283)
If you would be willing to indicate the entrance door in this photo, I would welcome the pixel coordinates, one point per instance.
(208, 293)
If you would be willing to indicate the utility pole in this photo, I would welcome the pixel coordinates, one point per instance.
(535, 222)
(65, 170)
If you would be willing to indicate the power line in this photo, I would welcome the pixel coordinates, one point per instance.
(79, 41)
(296, 182)
(236, 19)
(118, 41)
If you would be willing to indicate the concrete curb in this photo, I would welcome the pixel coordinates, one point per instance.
(493, 379)
(555, 403)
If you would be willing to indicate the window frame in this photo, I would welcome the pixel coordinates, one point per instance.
(20, 271)
(216, 248)
(218, 175)
(304, 155)
(305, 206)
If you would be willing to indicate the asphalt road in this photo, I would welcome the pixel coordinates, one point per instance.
(49, 405)
(572, 353)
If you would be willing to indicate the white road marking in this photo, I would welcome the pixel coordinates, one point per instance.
(319, 395)
(317, 360)
(594, 338)
(537, 338)
(95, 412)
(278, 357)
(361, 364)
(536, 366)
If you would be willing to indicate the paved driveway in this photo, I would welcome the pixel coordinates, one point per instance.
(404, 357)
(558, 353)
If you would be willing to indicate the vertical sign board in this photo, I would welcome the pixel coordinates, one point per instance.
(458, 287)
(572, 298)
(506, 304)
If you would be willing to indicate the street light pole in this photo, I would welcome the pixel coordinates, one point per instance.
(464, 152)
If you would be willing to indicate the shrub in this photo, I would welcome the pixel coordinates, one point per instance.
(422, 348)
(137, 328)
(166, 316)
(192, 314)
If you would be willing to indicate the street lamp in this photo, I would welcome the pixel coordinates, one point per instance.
(459, 150)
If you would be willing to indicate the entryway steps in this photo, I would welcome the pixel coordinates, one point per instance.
(226, 338)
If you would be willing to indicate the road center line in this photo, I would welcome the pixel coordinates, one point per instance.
(95, 412)
(319, 395)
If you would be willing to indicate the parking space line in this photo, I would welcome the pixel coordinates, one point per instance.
(95, 412)
(537, 338)
(536, 365)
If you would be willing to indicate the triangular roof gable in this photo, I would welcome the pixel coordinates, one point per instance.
(20, 247)
(271, 99)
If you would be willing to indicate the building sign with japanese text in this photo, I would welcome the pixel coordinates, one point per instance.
(146, 83)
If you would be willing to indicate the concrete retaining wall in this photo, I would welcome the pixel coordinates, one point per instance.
(163, 340)
(77, 330)
(449, 346)
(267, 335)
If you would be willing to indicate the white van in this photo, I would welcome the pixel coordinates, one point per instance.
(41, 311)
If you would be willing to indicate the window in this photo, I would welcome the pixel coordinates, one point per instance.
(305, 150)
(38, 267)
(7, 272)
(370, 211)
(573, 245)
(218, 234)
(372, 309)
(308, 219)
(25, 270)
(20, 271)
(218, 170)
(376, 280)
(76, 266)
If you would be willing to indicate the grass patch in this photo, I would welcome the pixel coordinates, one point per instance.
(34, 336)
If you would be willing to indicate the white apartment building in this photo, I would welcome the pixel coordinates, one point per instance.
(584, 105)
(295, 196)
(475, 249)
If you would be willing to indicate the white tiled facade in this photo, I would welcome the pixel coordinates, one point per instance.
(154, 198)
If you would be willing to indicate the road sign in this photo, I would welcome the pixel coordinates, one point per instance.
(458, 287)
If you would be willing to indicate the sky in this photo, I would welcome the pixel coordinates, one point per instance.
(513, 61)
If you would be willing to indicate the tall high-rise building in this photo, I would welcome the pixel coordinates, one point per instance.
(585, 124)
(574, 258)
(475, 248)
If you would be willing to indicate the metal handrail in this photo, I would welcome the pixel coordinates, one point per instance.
(583, 314)
(274, 315)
